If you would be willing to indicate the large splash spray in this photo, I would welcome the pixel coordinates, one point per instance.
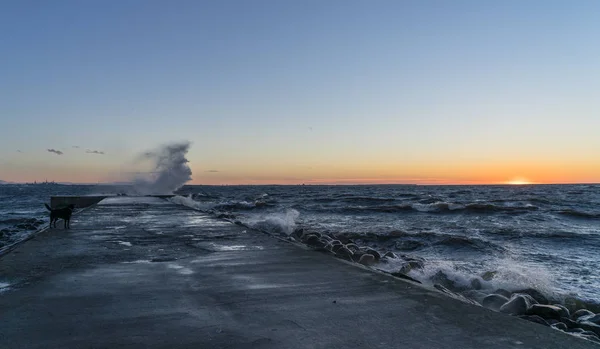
(171, 170)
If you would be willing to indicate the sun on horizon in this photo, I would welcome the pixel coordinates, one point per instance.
(519, 181)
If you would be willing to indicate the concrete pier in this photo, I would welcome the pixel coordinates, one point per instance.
(145, 273)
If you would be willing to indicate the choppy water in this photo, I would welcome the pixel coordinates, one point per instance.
(542, 236)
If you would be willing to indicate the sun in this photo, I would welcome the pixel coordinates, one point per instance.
(519, 181)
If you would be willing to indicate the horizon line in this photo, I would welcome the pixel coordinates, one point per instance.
(323, 183)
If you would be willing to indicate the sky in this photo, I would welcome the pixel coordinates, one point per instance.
(306, 91)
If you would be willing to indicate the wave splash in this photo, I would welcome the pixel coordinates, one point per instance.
(171, 170)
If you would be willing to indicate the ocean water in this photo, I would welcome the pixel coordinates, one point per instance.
(541, 236)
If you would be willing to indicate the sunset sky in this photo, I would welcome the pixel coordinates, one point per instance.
(310, 91)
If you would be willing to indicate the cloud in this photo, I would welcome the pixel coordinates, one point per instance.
(212, 171)
(94, 152)
(57, 152)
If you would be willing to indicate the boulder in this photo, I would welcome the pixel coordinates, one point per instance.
(590, 326)
(476, 284)
(570, 323)
(564, 312)
(595, 318)
(574, 304)
(372, 252)
(534, 318)
(442, 279)
(352, 247)
(588, 337)
(503, 292)
(516, 305)
(581, 312)
(545, 311)
(475, 295)
(410, 265)
(335, 248)
(488, 275)
(455, 295)
(390, 254)
(494, 301)
(559, 326)
(314, 241)
(537, 295)
(344, 253)
(367, 259)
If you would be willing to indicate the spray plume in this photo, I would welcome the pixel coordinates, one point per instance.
(171, 170)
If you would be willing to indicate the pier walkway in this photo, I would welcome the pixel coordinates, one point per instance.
(146, 273)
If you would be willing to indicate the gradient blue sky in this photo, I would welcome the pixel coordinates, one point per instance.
(303, 91)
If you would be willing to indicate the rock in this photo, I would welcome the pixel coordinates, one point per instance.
(352, 247)
(570, 323)
(442, 279)
(503, 292)
(574, 304)
(475, 295)
(372, 252)
(410, 265)
(357, 255)
(529, 298)
(298, 232)
(335, 248)
(534, 318)
(404, 276)
(390, 254)
(590, 326)
(581, 312)
(367, 259)
(516, 305)
(476, 284)
(455, 295)
(564, 312)
(345, 253)
(595, 318)
(326, 237)
(537, 295)
(312, 240)
(494, 301)
(488, 275)
(545, 311)
(575, 330)
(589, 337)
(559, 326)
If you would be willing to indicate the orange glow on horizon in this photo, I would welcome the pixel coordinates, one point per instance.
(519, 181)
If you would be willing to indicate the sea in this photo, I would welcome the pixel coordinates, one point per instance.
(545, 237)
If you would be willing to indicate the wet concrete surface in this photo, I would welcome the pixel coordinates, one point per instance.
(145, 273)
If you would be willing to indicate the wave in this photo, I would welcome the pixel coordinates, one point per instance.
(579, 214)
(275, 223)
(405, 241)
(215, 207)
(367, 199)
(18, 224)
(443, 207)
(272, 223)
